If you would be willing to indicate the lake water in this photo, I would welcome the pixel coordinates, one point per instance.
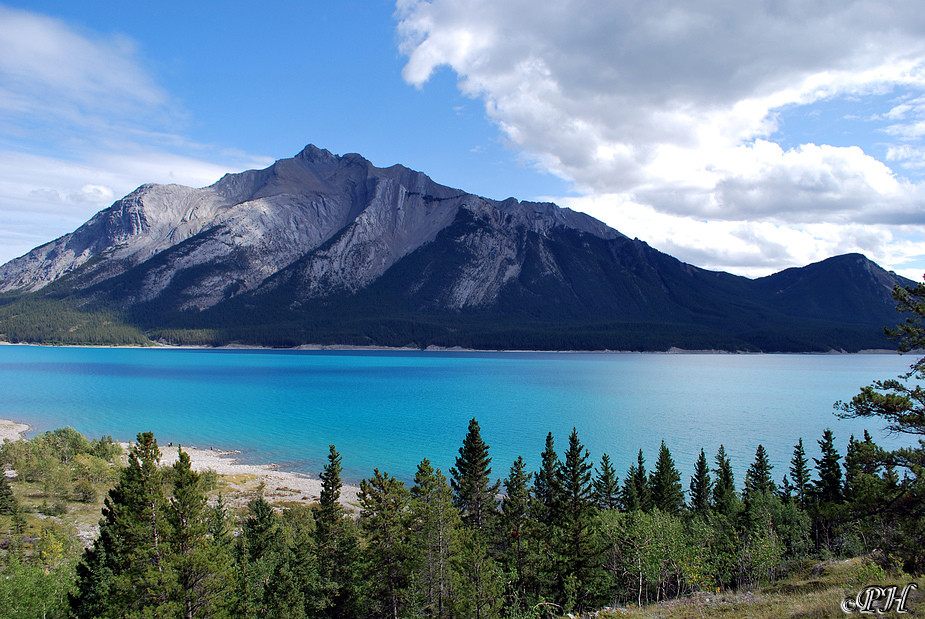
(391, 409)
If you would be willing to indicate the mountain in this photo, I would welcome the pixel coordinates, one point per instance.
(326, 249)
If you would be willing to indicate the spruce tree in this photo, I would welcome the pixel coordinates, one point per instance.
(667, 494)
(629, 499)
(724, 496)
(800, 475)
(576, 549)
(336, 545)
(641, 484)
(606, 485)
(202, 565)
(385, 517)
(829, 484)
(515, 527)
(701, 486)
(758, 479)
(474, 494)
(126, 570)
(260, 553)
(435, 525)
(546, 483)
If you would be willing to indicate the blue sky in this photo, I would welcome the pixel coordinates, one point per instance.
(737, 138)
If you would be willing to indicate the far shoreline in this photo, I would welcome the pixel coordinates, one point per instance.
(444, 349)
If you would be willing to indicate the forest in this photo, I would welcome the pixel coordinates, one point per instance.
(571, 537)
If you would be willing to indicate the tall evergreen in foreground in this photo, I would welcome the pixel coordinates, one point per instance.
(471, 481)
(435, 528)
(700, 486)
(724, 496)
(800, 475)
(514, 533)
(202, 565)
(606, 486)
(336, 545)
(576, 549)
(758, 478)
(667, 494)
(546, 483)
(125, 570)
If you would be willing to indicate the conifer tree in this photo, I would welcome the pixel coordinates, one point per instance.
(474, 494)
(515, 529)
(829, 485)
(261, 556)
(546, 483)
(125, 570)
(384, 515)
(799, 474)
(202, 566)
(641, 484)
(435, 526)
(667, 494)
(335, 544)
(629, 499)
(724, 497)
(701, 486)
(577, 553)
(606, 485)
(758, 479)
(8, 502)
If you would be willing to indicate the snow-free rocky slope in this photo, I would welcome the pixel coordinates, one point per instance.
(327, 249)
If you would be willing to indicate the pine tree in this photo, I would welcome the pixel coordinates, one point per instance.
(515, 526)
(829, 485)
(701, 486)
(758, 479)
(577, 553)
(606, 486)
(629, 499)
(546, 484)
(201, 565)
(125, 570)
(471, 481)
(336, 545)
(799, 474)
(641, 484)
(435, 525)
(384, 515)
(260, 553)
(724, 497)
(665, 481)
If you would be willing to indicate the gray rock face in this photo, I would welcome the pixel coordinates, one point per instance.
(345, 221)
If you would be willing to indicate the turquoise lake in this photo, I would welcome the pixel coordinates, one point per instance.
(390, 409)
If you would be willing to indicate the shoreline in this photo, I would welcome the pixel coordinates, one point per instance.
(240, 479)
(442, 349)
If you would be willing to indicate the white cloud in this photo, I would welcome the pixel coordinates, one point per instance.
(82, 123)
(670, 105)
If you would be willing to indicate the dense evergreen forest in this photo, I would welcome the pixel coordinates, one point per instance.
(570, 537)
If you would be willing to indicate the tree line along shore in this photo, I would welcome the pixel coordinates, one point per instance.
(570, 538)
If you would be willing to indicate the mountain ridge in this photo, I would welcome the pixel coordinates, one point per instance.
(321, 247)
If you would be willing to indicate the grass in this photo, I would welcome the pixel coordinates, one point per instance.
(816, 590)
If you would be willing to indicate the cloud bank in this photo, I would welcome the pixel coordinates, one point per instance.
(664, 114)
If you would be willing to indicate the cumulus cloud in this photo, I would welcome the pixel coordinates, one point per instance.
(672, 105)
